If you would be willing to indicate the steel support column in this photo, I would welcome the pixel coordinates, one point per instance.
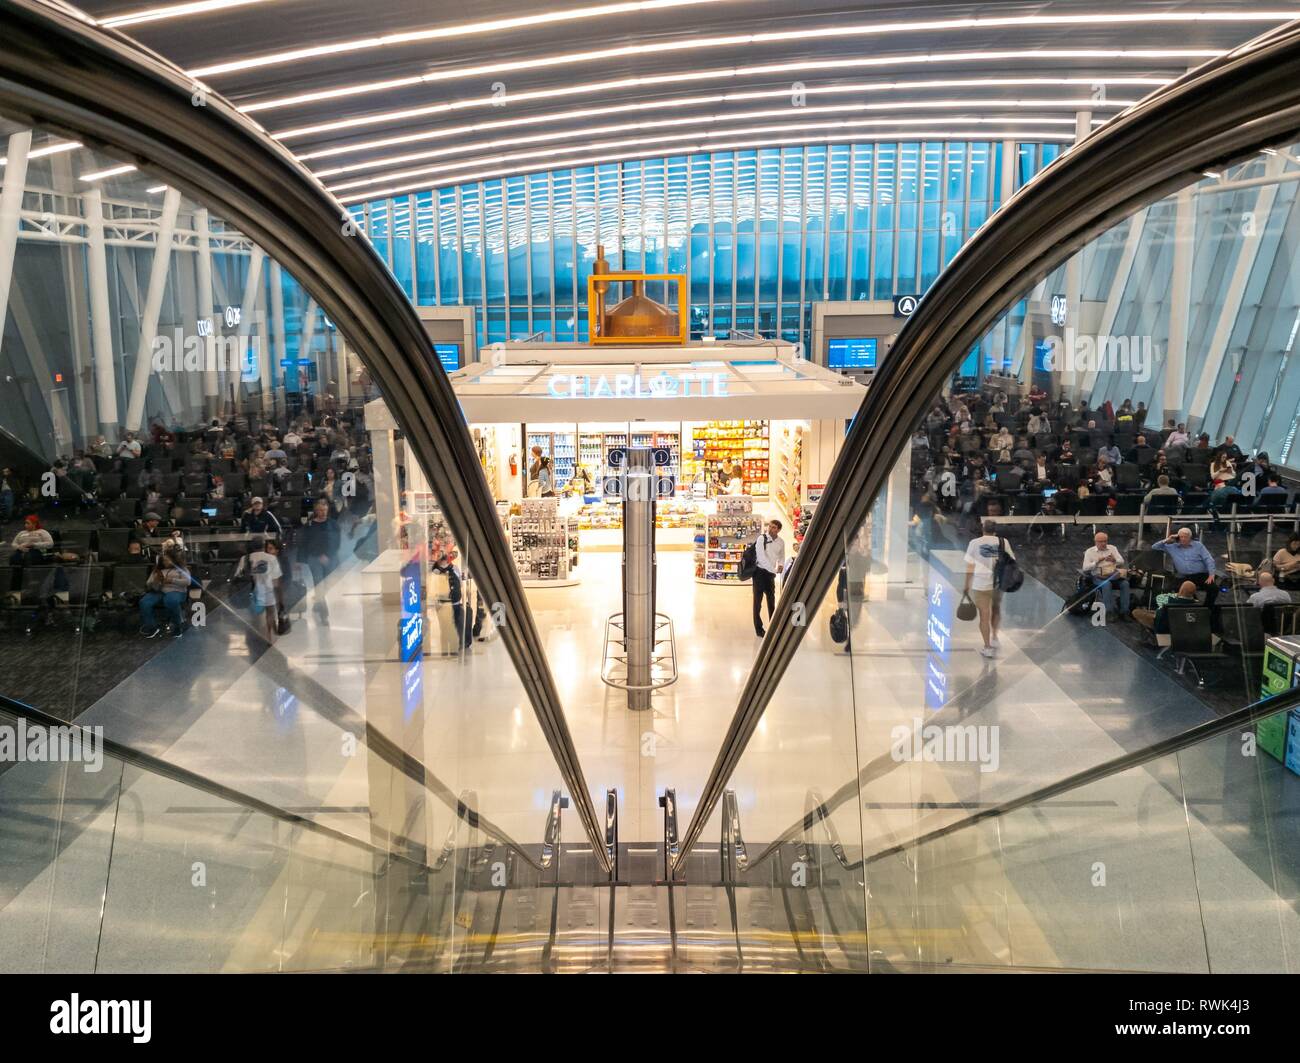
(162, 255)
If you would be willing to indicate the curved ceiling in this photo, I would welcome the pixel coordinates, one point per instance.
(392, 96)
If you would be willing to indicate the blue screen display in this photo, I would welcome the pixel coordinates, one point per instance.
(410, 632)
(1042, 351)
(852, 353)
(449, 355)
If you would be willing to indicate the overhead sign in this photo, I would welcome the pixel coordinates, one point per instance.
(687, 384)
(905, 305)
(1060, 309)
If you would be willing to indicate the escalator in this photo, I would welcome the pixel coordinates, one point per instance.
(339, 793)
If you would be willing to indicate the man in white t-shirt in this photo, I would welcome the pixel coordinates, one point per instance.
(129, 447)
(262, 564)
(981, 560)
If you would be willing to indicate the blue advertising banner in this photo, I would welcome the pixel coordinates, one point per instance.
(410, 635)
(940, 614)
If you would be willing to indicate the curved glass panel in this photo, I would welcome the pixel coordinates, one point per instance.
(1123, 434)
(219, 551)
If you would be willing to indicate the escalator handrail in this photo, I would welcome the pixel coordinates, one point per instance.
(1240, 718)
(160, 768)
(60, 72)
(1237, 104)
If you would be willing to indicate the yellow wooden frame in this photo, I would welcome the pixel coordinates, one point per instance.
(625, 276)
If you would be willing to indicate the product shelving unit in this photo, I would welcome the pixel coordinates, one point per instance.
(561, 448)
(719, 445)
(787, 477)
(721, 538)
(544, 544)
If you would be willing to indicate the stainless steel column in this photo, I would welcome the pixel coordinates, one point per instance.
(638, 574)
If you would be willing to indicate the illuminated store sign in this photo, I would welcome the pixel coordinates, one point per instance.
(637, 386)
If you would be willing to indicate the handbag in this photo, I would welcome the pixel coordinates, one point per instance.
(840, 626)
(966, 608)
(1007, 576)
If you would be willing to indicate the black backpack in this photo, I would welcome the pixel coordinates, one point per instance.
(749, 562)
(1007, 576)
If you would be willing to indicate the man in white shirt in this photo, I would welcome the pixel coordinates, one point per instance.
(1104, 565)
(981, 560)
(129, 447)
(1269, 593)
(769, 555)
(1178, 437)
(262, 564)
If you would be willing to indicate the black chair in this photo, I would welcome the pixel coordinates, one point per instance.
(110, 486)
(1068, 475)
(236, 483)
(111, 544)
(1128, 506)
(127, 583)
(1191, 639)
(124, 511)
(1009, 481)
(1197, 476)
(1243, 630)
(1127, 477)
(1144, 456)
(1094, 506)
(1164, 506)
(1027, 505)
(1281, 619)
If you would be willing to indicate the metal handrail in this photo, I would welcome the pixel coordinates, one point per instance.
(95, 85)
(1235, 105)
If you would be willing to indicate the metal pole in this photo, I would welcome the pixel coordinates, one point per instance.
(162, 256)
(101, 335)
(638, 574)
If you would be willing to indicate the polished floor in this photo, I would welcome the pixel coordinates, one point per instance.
(316, 725)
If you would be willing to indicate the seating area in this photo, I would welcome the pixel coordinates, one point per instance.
(114, 508)
(1053, 476)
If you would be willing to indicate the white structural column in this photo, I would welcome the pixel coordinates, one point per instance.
(1118, 286)
(308, 335)
(162, 254)
(1180, 303)
(203, 286)
(1251, 226)
(101, 332)
(1074, 272)
(11, 203)
(277, 327)
(249, 309)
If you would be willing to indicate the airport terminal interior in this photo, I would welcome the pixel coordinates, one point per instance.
(657, 486)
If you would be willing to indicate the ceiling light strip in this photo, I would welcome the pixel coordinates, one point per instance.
(726, 97)
(896, 135)
(158, 14)
(881, 29)
(821, 66)
(963, 107)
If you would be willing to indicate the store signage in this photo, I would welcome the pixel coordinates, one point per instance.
(412, 688)
(1060, 309)
(905, 305)
(410, 632)
(638, 486)
(685, 384)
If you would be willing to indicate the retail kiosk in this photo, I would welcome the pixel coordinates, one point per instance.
(714, 406)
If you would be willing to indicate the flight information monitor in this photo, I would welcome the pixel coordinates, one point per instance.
(852, 353)
(449, 355)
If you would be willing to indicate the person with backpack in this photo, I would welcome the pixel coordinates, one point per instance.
(768, 561)
(984, 555)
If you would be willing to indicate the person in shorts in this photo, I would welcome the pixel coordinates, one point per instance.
(263, 565)
(981, 561)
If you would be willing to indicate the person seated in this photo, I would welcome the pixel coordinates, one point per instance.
(1161, 467)
(1102, 480)
(1223, 497)
(1157, 619)
(168, 585)
(32, 545)
(1191, 560)
(1274, 489)
(1177, 436)
(1023, 455)
(1222, 470)
(1104, 565)
(1110, 452)
(1134, 452)
(1286, 563)
(1002, 440)
(1063, 454)
(1161, 490)
(1229, 449)
(1269, 593)
(1041, 472)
